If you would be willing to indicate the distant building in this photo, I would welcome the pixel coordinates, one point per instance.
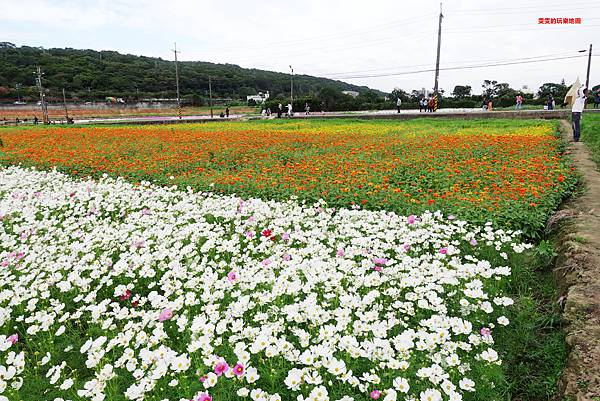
(526, 91)
(260, 98)
(351, 93)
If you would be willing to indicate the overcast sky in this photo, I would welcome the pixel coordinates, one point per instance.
(349, 39)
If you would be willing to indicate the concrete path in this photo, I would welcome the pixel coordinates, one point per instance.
(576, 229)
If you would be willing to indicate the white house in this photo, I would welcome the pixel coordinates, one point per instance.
(525, 89)
(351, 93)
(260, 98)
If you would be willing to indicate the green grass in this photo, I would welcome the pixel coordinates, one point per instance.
(590, 134)
(534, 345)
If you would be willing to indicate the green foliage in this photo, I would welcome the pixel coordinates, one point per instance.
(558, 91)
(535, 349)
(90, 74)
(590, 134)
(461, 91)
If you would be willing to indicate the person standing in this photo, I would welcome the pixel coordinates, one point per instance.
(420, 105)
(398, 104)
(289, 110)
(596, 98)
(578, 106)
(519, 102)
(550, 102)
(307, 108)
(226, 111)
(279, 110)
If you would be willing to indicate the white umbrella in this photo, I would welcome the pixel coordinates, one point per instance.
(571, 93)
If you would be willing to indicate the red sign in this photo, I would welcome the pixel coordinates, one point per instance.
(560, 21)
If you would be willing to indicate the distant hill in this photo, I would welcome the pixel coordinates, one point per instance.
(88, 74)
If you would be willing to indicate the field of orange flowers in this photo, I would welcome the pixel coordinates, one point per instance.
(508, 172)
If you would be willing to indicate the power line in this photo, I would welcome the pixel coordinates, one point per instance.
(459, 67)
(523, 9)
(346, 73)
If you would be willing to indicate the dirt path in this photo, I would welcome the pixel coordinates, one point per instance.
(576, 229)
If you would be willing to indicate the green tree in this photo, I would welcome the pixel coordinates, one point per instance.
(558, 91)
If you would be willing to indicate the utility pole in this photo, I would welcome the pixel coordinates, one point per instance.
(437, 62)
(587, 79)
(292, 87)
(177, 82)
(65, 104)
(210, 95)
(42, 96)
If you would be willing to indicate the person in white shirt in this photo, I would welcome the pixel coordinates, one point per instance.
(578, 106)
(289, 112)
(398, 104)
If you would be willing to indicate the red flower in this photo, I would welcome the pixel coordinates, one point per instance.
(267, 233)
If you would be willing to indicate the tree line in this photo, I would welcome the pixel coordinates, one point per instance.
(92, 75)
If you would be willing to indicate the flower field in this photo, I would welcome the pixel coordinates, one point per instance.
(110, 289)
(270, 261)
(510, 173)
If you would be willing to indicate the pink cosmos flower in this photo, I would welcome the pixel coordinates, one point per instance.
(444, 250)
(145, 211)
(285, 236)
(238, 369)
(411, 219)
(266, 262)
(406, 247)
(202, 379)
(249, 234)
(473, 242)
(204, 397)
(380, 261)
(126, 295)
(375, 394)
(451, 217)
(221, 367)
(339, 253)
(287, 257)
(378, 268)
(485, 331)
(12, 339)
(166, 314)
(232, 276)
(4, 263)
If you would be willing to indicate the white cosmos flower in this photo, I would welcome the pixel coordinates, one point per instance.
(467, 384)
(304, 290)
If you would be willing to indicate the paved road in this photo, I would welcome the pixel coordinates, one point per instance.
(466, 113)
